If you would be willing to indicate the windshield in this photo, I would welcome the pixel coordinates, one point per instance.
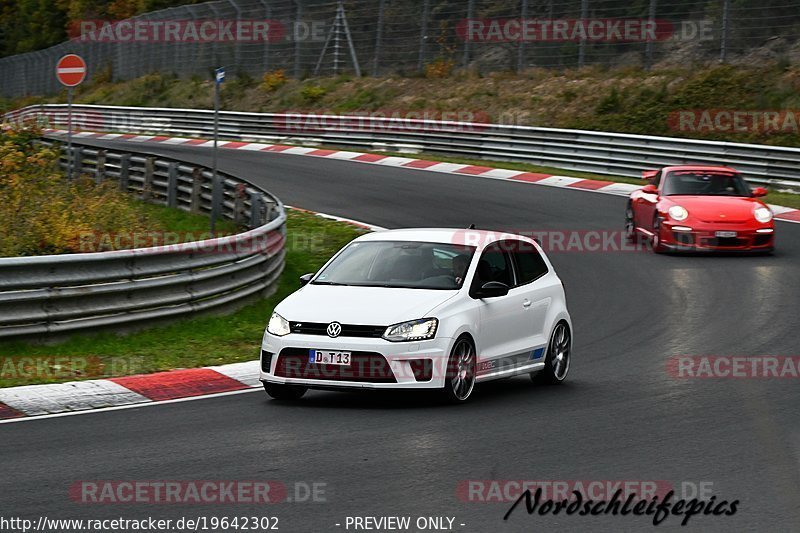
(697, 183)
(402, 264)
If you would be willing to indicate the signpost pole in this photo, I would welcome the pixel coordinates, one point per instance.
(70, 155)
(216, 187)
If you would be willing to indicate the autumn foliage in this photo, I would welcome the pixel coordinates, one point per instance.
(41, 212)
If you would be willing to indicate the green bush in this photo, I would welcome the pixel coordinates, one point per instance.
(313, 93)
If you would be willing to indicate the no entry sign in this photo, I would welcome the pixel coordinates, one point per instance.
(71, 70)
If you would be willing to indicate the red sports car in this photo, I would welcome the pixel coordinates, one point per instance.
(700, 208)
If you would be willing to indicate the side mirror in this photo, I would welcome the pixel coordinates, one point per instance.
(650, 189)
(759, 191)
(305, 278)
(492, 289)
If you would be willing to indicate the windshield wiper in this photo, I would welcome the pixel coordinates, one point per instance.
(330, 283)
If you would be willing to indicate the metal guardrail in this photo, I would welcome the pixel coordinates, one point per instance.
(587, 151)
(54, 294)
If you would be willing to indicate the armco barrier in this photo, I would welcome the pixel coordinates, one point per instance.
(56, 294)
(588, 151)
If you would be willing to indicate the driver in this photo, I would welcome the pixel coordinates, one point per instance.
(460, 266)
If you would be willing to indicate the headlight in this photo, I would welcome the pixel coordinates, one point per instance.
(762, 214)
(677, 212)
(413, 330)
(278, 325)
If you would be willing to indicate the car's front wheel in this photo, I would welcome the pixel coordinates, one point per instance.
(658, 246)
(460, 373)
(284, 392)
(559, 351)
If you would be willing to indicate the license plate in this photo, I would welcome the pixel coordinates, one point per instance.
(726, 234)
(324, 357)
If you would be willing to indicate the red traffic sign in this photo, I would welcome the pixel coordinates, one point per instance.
(71, 70)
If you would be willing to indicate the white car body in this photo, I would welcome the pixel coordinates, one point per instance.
(510, 333)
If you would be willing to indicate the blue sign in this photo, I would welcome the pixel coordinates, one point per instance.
(220, 74)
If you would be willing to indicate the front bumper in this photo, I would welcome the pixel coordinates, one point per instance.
(704, 237)
(376, 363)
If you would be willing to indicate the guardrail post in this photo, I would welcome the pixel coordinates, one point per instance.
(124, 171)
(197, 189)
(77, 160)
(238, 203)
(100, 171)
(269, 207)
(147, 186)
(172, 185)
(255, 209)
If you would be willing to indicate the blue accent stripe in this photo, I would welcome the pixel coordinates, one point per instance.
(537, 353)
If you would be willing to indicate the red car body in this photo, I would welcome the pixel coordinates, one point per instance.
(700, 208)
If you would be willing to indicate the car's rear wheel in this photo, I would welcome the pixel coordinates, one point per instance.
(630, 225)
(285, 392)
(460, 374)
(559, 352)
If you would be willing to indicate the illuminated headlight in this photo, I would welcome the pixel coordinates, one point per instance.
(413, 330)
(677, 212)
(278, 325)
(762, 214)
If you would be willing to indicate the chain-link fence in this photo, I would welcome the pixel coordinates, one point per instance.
(375, 37)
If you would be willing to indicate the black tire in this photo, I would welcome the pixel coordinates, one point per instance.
(657, 246)
(559, 354)
(460, 372)
(630, 224)
(284, 392)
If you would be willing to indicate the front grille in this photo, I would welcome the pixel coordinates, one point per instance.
(726, 242)
(348, 330)
(266, 360)
(365, 367)
(762, 240)
(683, 237)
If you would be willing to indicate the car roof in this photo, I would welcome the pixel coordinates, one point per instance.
(470, 237)
(701, 168)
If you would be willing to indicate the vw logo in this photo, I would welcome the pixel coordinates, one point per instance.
(334, 329)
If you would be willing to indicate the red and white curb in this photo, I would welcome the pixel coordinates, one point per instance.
(787, 214)
(39, 401)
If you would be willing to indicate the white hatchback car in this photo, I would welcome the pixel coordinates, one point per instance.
(421, 309)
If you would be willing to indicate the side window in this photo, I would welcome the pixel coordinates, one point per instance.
(657, 179)
(494, 265)
(530, 265)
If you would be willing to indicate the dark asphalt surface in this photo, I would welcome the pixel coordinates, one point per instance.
(621, 416)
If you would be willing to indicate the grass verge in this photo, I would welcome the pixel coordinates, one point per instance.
(197, 342)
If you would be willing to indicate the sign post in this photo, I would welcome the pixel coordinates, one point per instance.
(70, 71)
(216, 187)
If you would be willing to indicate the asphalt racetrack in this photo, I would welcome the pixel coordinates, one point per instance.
(621, 415)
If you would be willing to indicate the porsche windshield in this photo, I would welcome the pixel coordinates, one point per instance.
(402, 264)
(705, 184)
